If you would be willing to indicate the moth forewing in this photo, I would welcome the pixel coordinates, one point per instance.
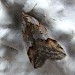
(39, 61)
(36, 60)
(46, 49)
(56, 51)
(31, 55)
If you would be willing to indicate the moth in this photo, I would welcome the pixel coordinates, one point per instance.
(41, 49)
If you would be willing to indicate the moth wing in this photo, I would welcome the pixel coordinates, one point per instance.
(55, 50)
(36, 60)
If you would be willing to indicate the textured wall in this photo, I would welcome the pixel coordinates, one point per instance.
(59, 19)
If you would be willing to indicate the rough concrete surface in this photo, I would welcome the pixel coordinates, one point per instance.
(59, 18)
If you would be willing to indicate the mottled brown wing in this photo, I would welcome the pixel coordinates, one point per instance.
(45, 49)
(32, 30)
(35, 58)
(55, 50)
(50, 49)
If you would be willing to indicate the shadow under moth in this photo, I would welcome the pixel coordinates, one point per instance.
(41, 49)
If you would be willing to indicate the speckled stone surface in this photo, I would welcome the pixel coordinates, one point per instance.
(59, 18)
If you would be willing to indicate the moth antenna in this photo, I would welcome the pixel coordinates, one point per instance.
(33, 8)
